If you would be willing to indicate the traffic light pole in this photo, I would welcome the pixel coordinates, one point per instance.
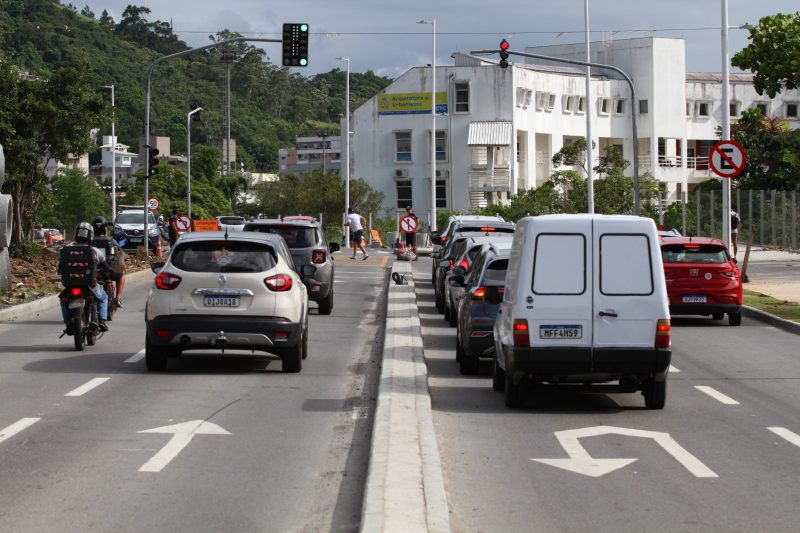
(633, 104)
(147, 110)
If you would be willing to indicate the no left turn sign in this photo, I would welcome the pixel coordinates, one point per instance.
(183, 223)
(408, 224)
(727, 159)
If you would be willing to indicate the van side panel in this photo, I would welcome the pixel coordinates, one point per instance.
(511, 294)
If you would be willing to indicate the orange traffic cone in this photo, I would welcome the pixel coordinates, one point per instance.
(159, 252)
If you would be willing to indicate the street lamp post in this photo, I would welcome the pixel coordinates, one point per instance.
(588, 110)
(346, 145)
(189, 159)
(113, 156)
(432, 22)
(726, 127)
(324, 135)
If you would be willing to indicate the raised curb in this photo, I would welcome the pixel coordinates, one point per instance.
(15, 312)
(405, 486)
(772, 320)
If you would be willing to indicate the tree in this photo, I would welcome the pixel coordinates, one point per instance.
(106, 20)
(773, 54)
(79, 199)
(87, 12)
(773, 152)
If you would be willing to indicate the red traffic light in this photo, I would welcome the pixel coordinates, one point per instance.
(504, 45)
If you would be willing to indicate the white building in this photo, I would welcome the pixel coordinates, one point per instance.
(500, 128)
(79, 162)
(312, 153)
(125, 162)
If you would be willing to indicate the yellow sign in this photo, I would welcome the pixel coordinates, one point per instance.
(206, 225)
(376, 236)
(410, 103)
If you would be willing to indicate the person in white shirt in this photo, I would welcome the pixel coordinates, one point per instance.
(356, 223)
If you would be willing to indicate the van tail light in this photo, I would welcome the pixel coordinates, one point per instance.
(318, 256)
(521, 338)
(464, 264)
(76, 291)
(479, 293)
(166, 281)
(279, 283)
(663, 333)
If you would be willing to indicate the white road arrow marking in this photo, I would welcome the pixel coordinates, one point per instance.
(581, 462)
(183, 434)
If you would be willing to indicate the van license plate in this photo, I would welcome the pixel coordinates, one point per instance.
(561, 332)
(694, 299)
(222, 301)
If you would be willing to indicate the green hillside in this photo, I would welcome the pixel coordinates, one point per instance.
(270, 105)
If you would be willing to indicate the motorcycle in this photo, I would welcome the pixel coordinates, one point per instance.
(84, 322)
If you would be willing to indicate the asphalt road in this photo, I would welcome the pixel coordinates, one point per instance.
(90, 441)
(708, 462)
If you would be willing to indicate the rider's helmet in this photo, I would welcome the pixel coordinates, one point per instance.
(99, 224)
(84, 233)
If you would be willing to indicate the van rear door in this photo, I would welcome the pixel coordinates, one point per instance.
(626, 297)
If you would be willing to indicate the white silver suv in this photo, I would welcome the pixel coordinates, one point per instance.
(228, 292)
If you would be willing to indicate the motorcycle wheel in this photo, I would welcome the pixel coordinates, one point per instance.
(77, 328)
(91, 329)
(111, 290)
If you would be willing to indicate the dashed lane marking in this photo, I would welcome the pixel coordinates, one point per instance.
(16, 427)
(86, 387)
(722, 398)
(784, 433)
(674, 370)
(135, 358)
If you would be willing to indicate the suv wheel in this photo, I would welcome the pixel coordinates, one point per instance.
(155, 358)
(292, 358)
(326, 304)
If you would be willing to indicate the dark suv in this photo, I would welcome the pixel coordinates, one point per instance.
(306, 241)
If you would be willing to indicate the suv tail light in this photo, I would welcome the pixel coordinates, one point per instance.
(663, 333)
(521, 338)
(279, 283)
(166, 281)
(479, 293)
(318, 256)
(464, 264)
(451, 264)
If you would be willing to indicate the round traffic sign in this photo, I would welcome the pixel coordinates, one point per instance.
(184, 223)
(408, 224)
(727, 159)
(152, 203)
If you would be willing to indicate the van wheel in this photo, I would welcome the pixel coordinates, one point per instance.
(154, 358)
(655, 394)
(498, 376)
(718, 316)
(326, 304)
(735, 319)
(515, 392)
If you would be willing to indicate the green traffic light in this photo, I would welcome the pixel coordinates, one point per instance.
(304, 62)
(303, 27)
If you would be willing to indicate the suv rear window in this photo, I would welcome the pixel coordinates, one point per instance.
(231, 221)
(223, 256)
(694, 253)
(295, 236)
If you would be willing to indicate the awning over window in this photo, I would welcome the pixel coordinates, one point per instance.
(489, 134)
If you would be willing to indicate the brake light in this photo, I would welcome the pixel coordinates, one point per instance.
(479, 293)
(521, 338)
(488, 229)
(444, 239)
(76, 291)
(318, 256)
(692, 246)
(451, 264)
(501, 290)
(279, 282)
(464, 264)
(729, 273)
(166, 281)
(663, 333)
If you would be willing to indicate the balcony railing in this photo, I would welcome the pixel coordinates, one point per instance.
(669, 160)
(697, 163)
(482, 180)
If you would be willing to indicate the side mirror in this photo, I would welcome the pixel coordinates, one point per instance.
(457, 280)
(333, 247)
(493, 295)
(436, 237)
(436, 255)
(307, 270)
(459, 271)
(156, 267)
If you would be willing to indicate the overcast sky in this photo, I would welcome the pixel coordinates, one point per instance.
(385, 37)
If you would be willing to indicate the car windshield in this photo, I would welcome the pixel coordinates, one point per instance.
(135, 218)
(231, 221)
(694, 253)
(295, 237)
(223, 256)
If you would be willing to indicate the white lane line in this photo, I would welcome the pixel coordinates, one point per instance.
(135, 358)
(16, 427)
(86, 387)
(784, 433)
(722, 398)
(674, 369)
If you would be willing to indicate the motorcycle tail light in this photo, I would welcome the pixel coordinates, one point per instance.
(318, 256)
(279, 283)
(166, 281)
(76, 291)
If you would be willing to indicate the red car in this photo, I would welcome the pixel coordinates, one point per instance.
(702, 279)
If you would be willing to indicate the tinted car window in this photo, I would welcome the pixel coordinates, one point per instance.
(295, 236)
(224, 256)
(135, 218)
(693, 253)
(231, 221)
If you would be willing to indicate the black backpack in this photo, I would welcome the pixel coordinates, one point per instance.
(734, 221)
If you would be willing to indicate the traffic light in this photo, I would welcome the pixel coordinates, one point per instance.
(504, 53)
(295, 45)
(197, 117)
(152, 161)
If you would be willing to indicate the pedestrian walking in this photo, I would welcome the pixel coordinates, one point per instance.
(735, 232)
(173, 226)
(356, 223)
(411, 237)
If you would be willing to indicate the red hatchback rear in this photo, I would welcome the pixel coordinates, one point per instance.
(701, 278)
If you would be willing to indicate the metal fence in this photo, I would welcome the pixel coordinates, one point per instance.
(769, 216)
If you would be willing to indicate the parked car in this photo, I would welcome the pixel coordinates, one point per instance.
(439, 238)
(129, 226)
(585, 303)
(702, 278)
(669, 233)
(306, 241)
(483, 290)
(234, 292)
(40, 235)
(231, 222)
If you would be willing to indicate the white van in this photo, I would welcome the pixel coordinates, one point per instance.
(585, 303)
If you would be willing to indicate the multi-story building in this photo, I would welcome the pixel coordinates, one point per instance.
(125, 163)
(312, 153)
(498, 129)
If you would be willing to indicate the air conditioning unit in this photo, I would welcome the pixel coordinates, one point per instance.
(442, 173)
(401, 173)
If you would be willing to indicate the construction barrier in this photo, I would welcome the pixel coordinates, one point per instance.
(376, 236)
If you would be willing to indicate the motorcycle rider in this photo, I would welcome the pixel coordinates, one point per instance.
(83, 235)
(117, 273)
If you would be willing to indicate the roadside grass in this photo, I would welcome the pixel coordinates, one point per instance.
(782, 308)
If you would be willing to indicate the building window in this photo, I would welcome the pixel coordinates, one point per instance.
(551, 101)
(441, 193)
(569, 104)
(404, 195)
(524, 97)
(763, 107)
(735, 109)
(689, 108)
(581, 108)
(604, 106)
(619, 107)
(703, 109)
(792, 110)
(402, 140)
(541, 100)
(462, 97)
(643, 107)
(441, 145)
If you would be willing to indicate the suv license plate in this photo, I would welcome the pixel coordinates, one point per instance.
(221, 301)
(561, 332)
(694, 299)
